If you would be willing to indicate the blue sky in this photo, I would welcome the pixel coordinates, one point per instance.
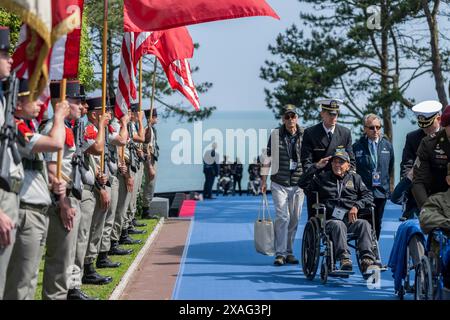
(232, 52)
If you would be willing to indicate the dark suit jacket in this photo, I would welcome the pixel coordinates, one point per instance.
(316, 145)
(409, 154)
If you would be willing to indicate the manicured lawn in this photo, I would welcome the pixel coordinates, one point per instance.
(103, 292)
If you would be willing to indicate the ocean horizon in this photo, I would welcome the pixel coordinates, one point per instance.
(240, 133)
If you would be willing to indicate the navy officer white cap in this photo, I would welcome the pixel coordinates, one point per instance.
(330, 105)
(327, 102)
(426, 111)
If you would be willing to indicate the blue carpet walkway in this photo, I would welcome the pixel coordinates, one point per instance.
(220, 262)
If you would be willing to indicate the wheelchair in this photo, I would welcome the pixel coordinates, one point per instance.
(254, 186)
(429, 279)
(317, 243)
(225, 184)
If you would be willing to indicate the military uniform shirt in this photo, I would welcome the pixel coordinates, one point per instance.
(35, 186)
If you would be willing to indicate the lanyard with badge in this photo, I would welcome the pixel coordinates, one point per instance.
(339, 212)
(292, 164)
(376, 175)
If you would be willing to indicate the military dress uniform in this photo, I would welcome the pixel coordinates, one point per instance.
(426, 113)
(35, 201)
(320, 142)
(60, 272)
(9, 198)
(152, 156)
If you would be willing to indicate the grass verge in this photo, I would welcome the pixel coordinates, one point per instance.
(104, 292)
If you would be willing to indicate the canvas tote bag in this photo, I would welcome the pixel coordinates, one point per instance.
(264, 232)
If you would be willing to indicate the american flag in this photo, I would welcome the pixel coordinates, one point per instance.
(179, 75)
(134, 46)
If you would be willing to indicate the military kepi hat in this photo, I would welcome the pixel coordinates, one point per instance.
(445, 118)
(426, 112)
(94, 103)
(4, 38)
(330, 105)
(342, 155)
(134, 107)
(147, 113)
(24, 89)
(72, 89)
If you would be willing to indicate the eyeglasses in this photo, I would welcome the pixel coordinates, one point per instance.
(290, 116)
(374, 127)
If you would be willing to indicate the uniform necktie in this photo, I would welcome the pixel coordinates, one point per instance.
(330, 135)
(373, 152)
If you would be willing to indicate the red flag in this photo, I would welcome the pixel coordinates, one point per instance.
(66, 50)
(151, 15)
(173, 50)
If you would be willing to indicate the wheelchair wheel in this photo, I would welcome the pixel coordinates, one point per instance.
(311, 248)
(423, 281)
(324, 269)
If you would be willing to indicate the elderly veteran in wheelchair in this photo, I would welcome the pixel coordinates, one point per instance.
(343, 194)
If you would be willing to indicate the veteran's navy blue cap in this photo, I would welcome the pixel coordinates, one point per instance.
(342, 155)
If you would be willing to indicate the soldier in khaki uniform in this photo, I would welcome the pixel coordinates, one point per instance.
(117, 136)
(35, 197)
(430, 167)
(95, 199)
(9, 199)
(60, 273)
(138, 135)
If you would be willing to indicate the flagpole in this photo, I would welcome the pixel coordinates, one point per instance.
(105, 43)
(140, 85)
(153, 86)
(62, 97)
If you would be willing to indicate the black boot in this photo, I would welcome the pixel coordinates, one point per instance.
(126, 239)
(104, 262)
(145, 213)
(118, 251)
(90, 276)
(132, 230)
(135, 223)
(77, 294)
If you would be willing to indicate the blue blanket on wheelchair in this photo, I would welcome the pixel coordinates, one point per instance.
(397, 259)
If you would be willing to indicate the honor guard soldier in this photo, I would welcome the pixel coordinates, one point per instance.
(152, 154)
(60, 273)
(35, 196)
(11, 170)
(428, 115)
(375, 164)
(95, 199)
(117, 136)
(430, 167)
(138, 134)
(323, 139)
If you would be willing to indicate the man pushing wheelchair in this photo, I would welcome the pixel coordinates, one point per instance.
(344, 197)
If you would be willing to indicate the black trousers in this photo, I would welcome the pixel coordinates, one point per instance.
(238, 181)
(209, 182)
(379, 203)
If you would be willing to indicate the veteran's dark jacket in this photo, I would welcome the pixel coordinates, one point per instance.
(365, 165)
(430, 168)
(354, 192)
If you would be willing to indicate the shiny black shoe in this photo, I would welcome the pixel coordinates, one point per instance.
(118, 251)
(91, 276)
(104, 262)
(138, 224)
(132, 230)
(126, 239)
(279, 261)
(77, 294)
(291, 259)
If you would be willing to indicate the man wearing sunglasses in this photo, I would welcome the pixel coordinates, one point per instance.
(322, 140)
(375, 163)
(283, 151)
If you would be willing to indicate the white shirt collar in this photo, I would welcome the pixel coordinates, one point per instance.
(328, 130)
